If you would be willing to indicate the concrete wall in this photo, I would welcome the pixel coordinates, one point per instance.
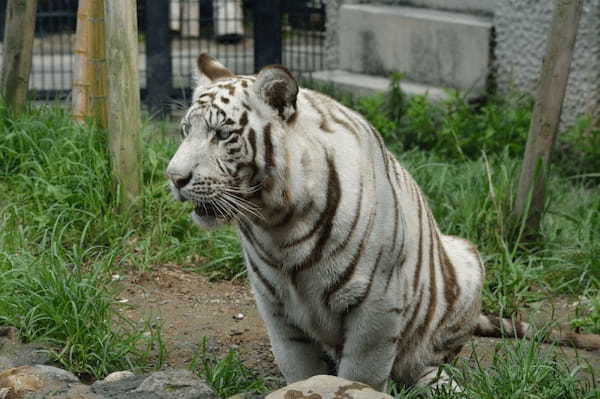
(521, 33)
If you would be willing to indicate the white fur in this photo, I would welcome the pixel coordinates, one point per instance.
(371, 323)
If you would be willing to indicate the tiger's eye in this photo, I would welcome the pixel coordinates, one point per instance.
(222, 134)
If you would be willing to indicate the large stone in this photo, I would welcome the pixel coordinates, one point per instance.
(177, 384)
(14, 354)
(20, 381)
(76, 391)
(438, 48)
(172, 384)
(327, 387)
(122, 389)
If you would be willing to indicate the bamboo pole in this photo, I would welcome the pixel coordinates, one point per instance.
(80, 107)
(18, 48)
(123, 101)
(90, 80)
(546, 114)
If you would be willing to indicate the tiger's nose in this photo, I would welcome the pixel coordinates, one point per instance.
(179, 180)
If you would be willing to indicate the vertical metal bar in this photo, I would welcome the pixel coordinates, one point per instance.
(267, 33)
(2, 18)
(159, 74)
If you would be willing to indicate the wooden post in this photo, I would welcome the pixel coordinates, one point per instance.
(546, 114)
(123, 101)
(18, 47)
(89, 82)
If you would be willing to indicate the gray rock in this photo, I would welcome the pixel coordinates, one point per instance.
(327, 387)
(51, 373)
(79, 391)
(122, 389)
(176, 384)
(14, 354)
(172, 384)
(6, 363)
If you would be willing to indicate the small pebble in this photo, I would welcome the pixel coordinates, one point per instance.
(118, 375)
(239, 316)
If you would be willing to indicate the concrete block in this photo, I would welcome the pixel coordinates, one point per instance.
(468, 6)
(364, 85)
(438, 48)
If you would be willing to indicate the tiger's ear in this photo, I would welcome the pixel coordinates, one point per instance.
(276, 86)
(209, 70)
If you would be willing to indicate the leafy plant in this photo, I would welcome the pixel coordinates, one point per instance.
(227, 376)
(57, 301)
(588, 318)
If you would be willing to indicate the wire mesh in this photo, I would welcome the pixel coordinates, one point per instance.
(222, 28)
(304, 35)
(52, 64)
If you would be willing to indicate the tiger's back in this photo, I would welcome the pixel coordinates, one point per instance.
(394, 284)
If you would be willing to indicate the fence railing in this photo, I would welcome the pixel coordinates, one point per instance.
(243, 34)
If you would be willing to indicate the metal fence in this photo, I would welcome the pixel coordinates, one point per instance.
(243, 34)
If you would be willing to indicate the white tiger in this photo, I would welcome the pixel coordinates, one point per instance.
(350, 272)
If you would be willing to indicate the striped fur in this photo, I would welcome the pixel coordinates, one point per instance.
(343, 253)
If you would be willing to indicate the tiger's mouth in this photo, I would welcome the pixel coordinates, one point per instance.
(207, 209)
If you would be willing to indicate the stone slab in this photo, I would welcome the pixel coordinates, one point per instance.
(364, 85)
(433, 47)
(469, 6)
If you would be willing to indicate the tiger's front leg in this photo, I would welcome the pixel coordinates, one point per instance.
(369, 348)
(297, 356)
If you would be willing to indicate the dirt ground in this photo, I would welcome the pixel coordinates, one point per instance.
(190, 307)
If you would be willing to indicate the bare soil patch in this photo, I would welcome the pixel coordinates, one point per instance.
(190, 307)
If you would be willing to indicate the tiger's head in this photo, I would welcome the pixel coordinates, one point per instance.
(228, 134)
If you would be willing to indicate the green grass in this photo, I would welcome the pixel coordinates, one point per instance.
(517, 370)
(227, 376)
(57, 301)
